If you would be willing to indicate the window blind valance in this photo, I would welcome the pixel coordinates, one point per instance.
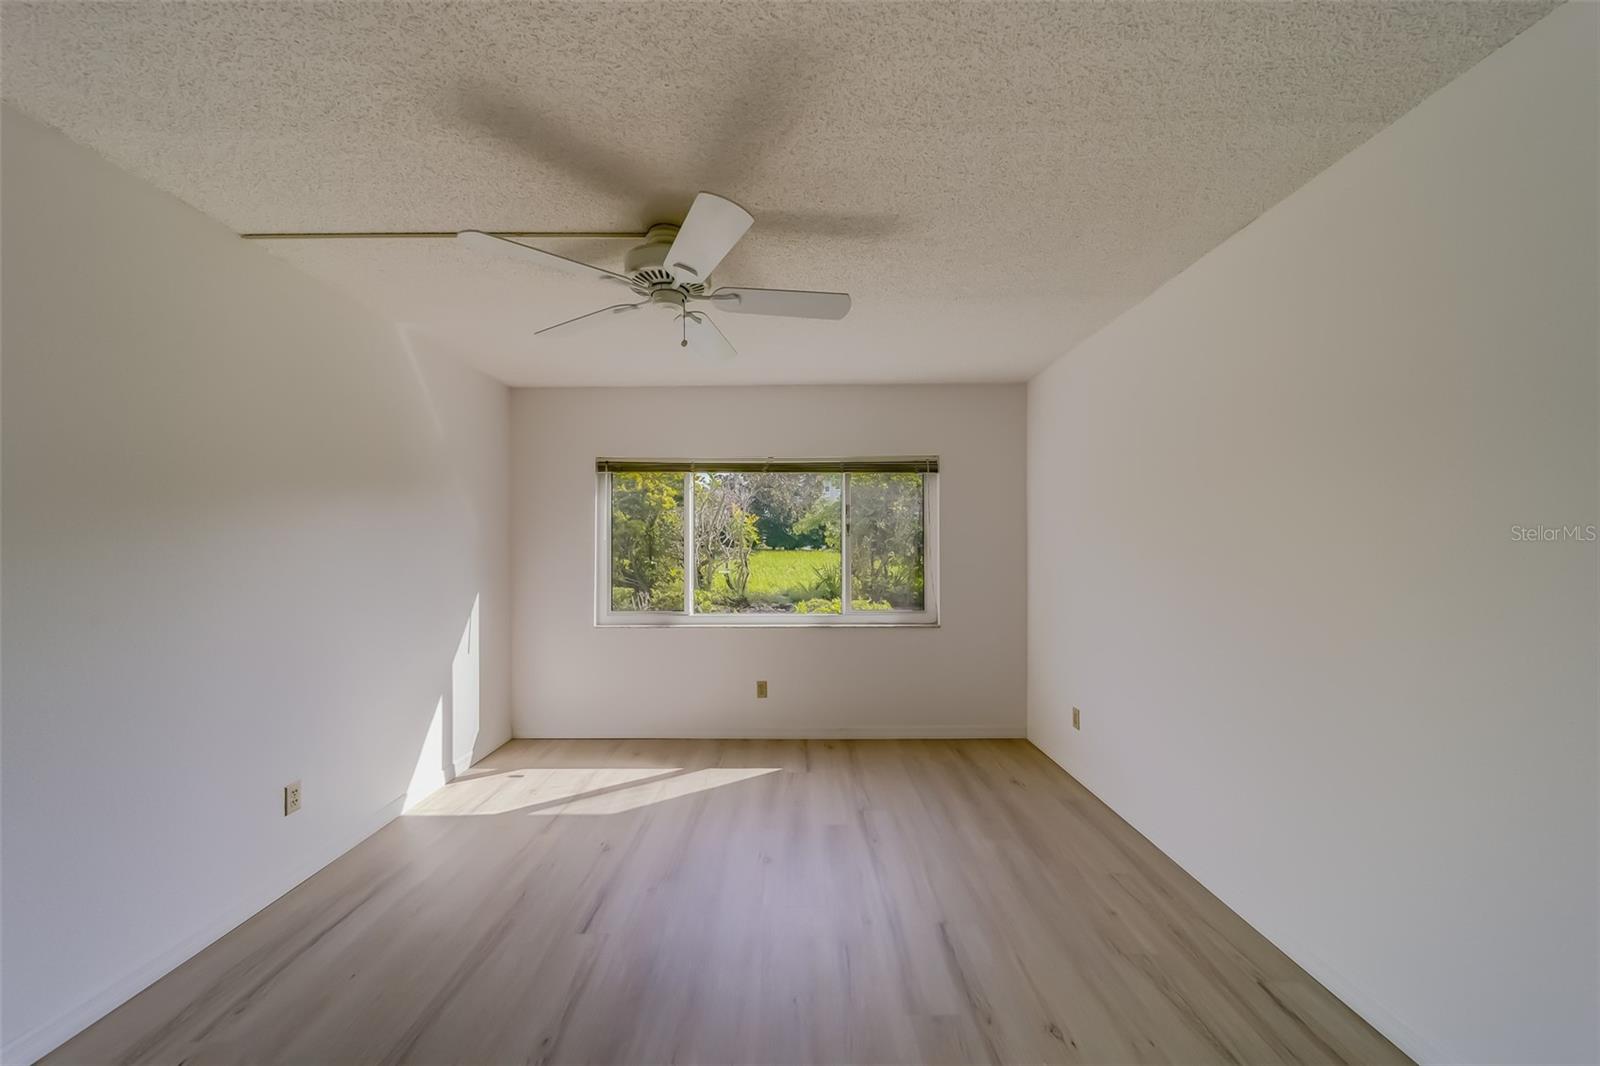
(902, 464)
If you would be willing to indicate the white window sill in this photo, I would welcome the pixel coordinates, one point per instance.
(704, 622)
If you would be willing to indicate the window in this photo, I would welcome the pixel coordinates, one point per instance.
(797, 542)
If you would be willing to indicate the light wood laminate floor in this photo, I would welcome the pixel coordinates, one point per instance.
(744, 902)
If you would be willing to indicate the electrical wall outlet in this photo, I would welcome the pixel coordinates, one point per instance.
(291, 798)
(761, 690)
(1076, 723)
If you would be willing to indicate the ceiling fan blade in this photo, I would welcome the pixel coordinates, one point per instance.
(583, 323)
(791, 302)
(704, 339)
(713, 227)
(484, 242)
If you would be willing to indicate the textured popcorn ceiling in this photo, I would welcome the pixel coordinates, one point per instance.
(990, 181)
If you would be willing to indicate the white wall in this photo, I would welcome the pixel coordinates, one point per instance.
(965, 678)
(1271, 558)
(245, 527)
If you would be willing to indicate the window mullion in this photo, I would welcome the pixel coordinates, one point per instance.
(844, 545)
(688, 542)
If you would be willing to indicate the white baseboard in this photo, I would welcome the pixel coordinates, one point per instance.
(886, 732)
(1357, 999)
(42, 1039)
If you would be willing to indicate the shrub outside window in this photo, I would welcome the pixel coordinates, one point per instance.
(767, 542)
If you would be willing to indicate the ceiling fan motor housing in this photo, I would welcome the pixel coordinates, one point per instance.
(645, 268)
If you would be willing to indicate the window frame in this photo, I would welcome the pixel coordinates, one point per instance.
(849, 616)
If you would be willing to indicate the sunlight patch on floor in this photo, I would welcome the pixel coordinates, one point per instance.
(659, 791)
(583, 791)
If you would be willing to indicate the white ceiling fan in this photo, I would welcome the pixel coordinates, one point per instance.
(672, 270)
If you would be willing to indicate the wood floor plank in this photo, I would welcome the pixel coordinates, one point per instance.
(637, 901)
